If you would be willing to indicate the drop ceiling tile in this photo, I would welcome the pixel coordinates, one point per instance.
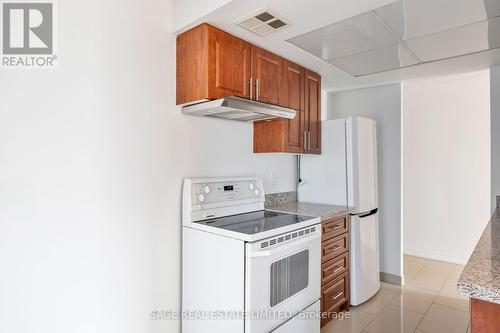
(464, 40)
(393, 16)
(355, 35)
(415, 18)
(375, 61)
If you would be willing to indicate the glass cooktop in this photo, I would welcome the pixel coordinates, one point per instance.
(255, 222)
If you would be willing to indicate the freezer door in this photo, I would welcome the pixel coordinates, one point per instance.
(324, 176)
(364, 252)
(361, 146)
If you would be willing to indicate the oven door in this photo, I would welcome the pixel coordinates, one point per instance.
(282, 278)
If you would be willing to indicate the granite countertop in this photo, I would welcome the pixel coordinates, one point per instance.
(481, 276)
(304, 208)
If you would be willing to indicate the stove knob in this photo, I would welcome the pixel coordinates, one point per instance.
(201, 198)
(207, 189)
(256, 192)
(251, 186)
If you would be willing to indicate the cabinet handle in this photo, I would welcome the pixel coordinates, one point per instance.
(251, 88)
(338, 269)
(309, 140)
(305, 140)
(336, 227)
(333, 248)
(338, 295)
(257, 89)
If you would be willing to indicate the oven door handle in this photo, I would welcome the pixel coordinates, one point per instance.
(286, 246)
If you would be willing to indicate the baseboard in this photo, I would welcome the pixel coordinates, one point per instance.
(391, 278)
(434, 256)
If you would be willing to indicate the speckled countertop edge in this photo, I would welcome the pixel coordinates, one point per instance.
(481, 276)
(304, 208)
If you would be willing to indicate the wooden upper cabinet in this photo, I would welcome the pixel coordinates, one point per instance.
(302, 135)
(229, 65)
(267, 76)
(293, 97)
(313, 112)
(211, 64)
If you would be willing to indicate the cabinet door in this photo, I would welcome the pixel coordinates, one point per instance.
(267, 76)
(313, 111)
(229, 65)
(293, 97)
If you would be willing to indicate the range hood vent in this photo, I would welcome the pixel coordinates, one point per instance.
(237, 108)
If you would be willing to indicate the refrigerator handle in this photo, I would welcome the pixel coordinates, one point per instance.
(366, 214)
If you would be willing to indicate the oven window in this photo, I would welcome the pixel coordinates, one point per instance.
(289, 276)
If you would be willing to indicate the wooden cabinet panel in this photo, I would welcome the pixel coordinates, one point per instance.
(267, 75)
(228, 65)
(313, 111)
(268, 136)
(485, 316)
(334, 227)
(211, 64)
(191, 78)
(293, 97)
(334, 247)
(334, 267)
(334, 295)
(335, 292)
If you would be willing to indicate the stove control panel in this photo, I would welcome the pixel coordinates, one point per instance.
(208, 198)
(213, 192)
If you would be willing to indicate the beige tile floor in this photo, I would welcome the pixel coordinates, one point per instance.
(426, 303)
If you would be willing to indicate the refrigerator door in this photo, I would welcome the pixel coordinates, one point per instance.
(324, 176)
(361, 143)
(364, 252)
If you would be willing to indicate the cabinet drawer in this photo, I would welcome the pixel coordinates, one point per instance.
(335, 293)
(334, 267)
(334, 227)
(334, 247)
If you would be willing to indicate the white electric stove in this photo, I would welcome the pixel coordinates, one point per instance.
(244, 268)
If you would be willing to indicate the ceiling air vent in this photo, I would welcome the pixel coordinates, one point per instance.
(263, 22)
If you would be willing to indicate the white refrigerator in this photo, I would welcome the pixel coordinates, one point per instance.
(346, 174)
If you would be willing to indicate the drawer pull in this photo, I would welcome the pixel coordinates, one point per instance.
(333, 248)
(336, 227)
(332, 298)
(337, 269)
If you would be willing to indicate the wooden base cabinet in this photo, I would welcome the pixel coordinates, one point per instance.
(485, 316)
(334, 267)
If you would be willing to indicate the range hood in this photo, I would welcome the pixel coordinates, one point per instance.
(237, 108)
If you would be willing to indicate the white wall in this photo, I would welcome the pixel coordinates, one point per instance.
(383, 104)
(446, 165)
(495, 134)
(92, 156)
(187, 11)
